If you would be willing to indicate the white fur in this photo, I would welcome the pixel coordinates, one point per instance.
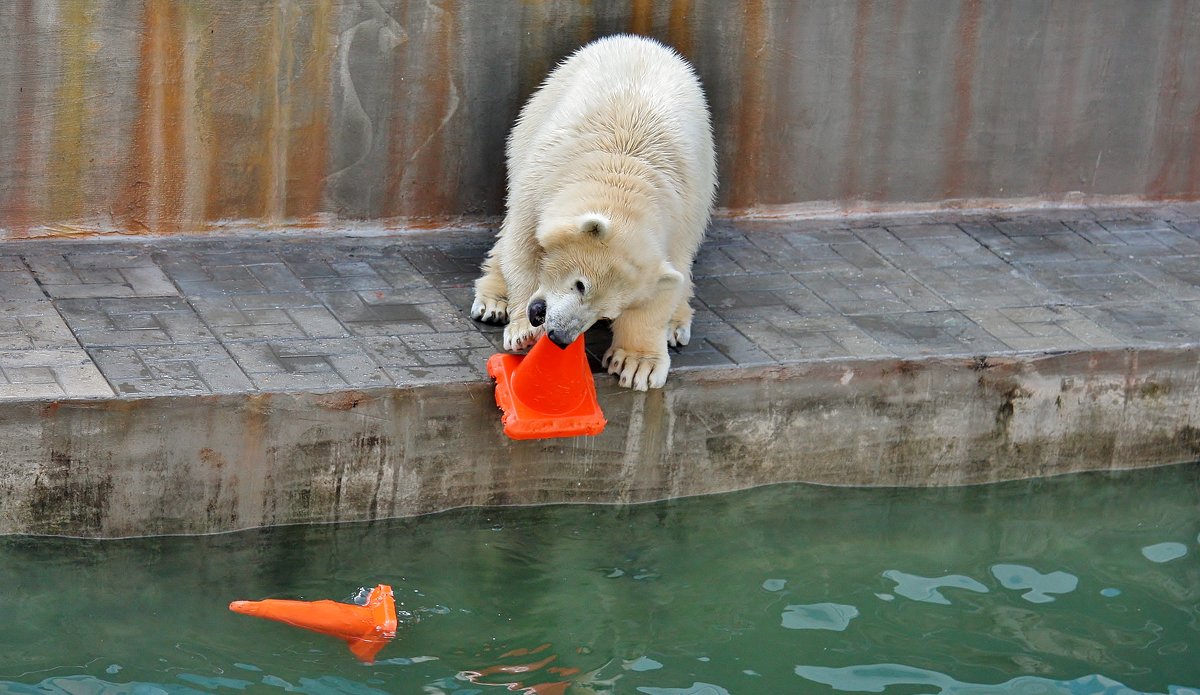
(611, 177)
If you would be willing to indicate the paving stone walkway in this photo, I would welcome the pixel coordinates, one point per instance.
(131, 317)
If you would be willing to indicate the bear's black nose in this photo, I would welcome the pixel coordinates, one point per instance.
(537, 312)
(558, 339)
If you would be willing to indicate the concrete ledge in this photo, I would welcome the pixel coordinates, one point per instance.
(200, 464)
(205, 385)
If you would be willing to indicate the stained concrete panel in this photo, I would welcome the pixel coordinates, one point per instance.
(196, 465)
(175, 117)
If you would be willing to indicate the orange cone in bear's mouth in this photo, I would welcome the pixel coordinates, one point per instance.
(365, 628)
(547, 393)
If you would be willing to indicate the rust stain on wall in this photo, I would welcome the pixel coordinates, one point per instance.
(680, 28)
(961, 113)
(151, 197)
(532, 60)
(308, 151)
(67, 163)
(419, 182)
(641, 17)
(245, 116)
(749, 116)
(277, 68)
(200, 112)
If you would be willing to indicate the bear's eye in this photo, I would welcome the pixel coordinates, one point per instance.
(580, 287)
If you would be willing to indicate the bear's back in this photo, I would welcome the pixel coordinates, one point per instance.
(624, 95)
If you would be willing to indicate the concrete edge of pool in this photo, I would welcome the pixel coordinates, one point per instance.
(203, 464)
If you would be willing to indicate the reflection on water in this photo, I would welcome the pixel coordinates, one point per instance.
(819, 616)
(1040, 586)
(926, 588)
(1164, 552)
(1082, 584)
(876, 678)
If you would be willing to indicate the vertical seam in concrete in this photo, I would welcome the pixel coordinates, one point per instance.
(16, 210)
(196, 125)
(1064, 99)
(748, 143)
(280, 60)
(854, 134)
(887, 111)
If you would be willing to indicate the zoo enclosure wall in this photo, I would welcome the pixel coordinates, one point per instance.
(177, 117)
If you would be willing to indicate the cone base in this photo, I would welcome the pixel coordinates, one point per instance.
(523, 422)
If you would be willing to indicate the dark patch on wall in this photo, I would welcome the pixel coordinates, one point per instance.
(1188, 438)
(68, 498)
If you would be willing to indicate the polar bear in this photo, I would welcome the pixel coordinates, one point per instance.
(611, 180)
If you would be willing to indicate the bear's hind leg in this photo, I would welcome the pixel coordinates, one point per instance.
(491, 295)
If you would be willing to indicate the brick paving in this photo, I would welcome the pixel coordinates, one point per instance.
(132, 317)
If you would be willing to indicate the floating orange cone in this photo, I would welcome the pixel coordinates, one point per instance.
(365, 628)
(547, 393)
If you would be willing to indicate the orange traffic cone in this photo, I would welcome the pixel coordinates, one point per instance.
(547, 393)
(365, 628)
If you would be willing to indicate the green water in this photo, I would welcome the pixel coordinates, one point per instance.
(1079, 584)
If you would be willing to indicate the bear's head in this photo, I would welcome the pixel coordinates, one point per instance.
(595, 268)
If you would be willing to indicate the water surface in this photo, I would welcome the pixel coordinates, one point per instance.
(1079, 584)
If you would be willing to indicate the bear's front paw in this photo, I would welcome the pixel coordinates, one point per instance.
(637, 370)
(489, 309)
(520, 335)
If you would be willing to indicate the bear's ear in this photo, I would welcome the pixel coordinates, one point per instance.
(595, 224)
(668, 277)
(557, 231)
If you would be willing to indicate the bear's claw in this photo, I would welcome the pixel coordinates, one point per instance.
(520, 335)
(678, 336)
(489, 310)
(637, 371)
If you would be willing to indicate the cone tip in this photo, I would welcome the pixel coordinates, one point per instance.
(245, 607)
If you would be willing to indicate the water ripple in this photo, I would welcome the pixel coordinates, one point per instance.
(1040, 585)
(696, 689)
(1164, 552)
(874, 678)
(925, 589)
(819, 616)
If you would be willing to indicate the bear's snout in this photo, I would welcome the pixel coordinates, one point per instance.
(559, 338)
(537, 312)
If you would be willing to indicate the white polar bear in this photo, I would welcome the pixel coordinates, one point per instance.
(611, 179)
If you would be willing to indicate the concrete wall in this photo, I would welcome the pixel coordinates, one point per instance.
(192, 464)
(157, 116)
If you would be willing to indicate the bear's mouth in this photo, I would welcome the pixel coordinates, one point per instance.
(562, 340)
